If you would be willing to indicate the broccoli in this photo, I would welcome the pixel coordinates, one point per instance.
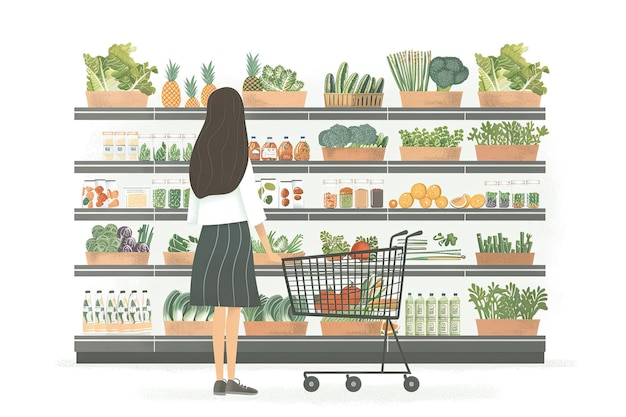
(447, 71)
(363, 135)
(338, 136)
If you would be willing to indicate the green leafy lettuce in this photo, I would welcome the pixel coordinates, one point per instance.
(118, 71)
(279, 79)
(510, 71)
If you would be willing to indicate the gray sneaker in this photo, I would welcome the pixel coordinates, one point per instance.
(220, 387)
(233, 386)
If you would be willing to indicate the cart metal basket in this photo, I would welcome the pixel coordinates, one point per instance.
(358, 285)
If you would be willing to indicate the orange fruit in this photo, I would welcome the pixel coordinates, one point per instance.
(458, 202)
(406, 200)
(477, 201)
(433, 191)
(441, 201)
(418, 190)
(393, 203)
(426, 202)
(468, 199)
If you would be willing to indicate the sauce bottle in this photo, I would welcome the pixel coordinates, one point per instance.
(269, 151)
(302, 151)
(254, 150)
(285, 150)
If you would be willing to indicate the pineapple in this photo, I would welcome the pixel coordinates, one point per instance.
(191, 89)
(170, 94)
(208, 75)
(252, 83)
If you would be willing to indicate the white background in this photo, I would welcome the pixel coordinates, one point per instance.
(43, 79)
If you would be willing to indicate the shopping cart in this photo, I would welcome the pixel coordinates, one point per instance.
(359, 285)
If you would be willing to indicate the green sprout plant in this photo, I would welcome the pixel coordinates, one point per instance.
(507, 133)
(500, 244)
(439, 137)
(410, 69)
(508, 303)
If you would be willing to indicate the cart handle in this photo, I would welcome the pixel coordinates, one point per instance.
(406, 239)
(404, 232)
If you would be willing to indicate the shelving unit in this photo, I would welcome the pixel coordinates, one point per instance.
(142, 348)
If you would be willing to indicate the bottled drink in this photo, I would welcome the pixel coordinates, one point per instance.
(122, 312)
(409, 319)
(146, 311)
(431, 315)
(443, 317)
(254, 150)
(134, 312)
(111, 313)
(99, 315)
(420, 315)
(269, 151)
(455, 315)
(285, 150)
(88, 320)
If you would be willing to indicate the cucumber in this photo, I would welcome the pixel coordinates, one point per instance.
(363, 83)
(329, 83)
(171, 297)
(378, 87)
(342, 75)
(350, 85)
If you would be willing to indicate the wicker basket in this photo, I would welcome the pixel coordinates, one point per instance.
(353, 100)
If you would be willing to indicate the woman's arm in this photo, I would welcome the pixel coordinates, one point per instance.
(260, 231)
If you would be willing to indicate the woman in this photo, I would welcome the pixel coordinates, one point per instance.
(224, 201)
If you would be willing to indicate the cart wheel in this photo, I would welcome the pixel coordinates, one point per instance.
(411, 383)
(353, 383)
(311, 383)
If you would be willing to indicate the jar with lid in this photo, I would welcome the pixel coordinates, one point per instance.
(145, 147)
(532, 193)
(361, 193)
(518, 193)
(119, 150)
(254, 149)
(376, 193)
(286, 194)
(285, 150)
(108, 143)
(132, 148)
(186, 187)
(269, 152)
(491, 194)
(101, 193)
(302, 151)
(298, 193)
(137, 196)
(504, 194)
(174, 143)
(159, 147)
(159, 193)
(113, 193)
(346, 193)
(330, 194)
(189, 140)
(174, 193)
(89, 194)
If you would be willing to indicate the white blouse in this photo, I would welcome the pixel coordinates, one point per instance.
(242, 204)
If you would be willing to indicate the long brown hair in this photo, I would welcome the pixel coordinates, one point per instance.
(220, 155)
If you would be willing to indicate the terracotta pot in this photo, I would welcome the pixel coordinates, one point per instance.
(431, 98)
(485, 258)
(353, 154)
(178, 258)
(506, 152)
(353, 100)
(508, 99)
(273, 98)
(117, 258)
(351, 328)
(132, 98)
(427, 153)
(503, 327)
(275, 328)
(188, 328)
(263, 258)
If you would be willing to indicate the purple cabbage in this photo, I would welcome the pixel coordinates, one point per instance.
(130, 241)
(124, 232)
(143, 247)
(126, 248)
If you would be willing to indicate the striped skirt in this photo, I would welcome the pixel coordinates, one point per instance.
(223, 268)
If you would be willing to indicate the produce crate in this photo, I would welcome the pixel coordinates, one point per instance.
(178, 258)
(353, 100)
(117, 258)
(188, 328)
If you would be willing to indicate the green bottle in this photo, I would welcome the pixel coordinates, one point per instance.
(431, 315)
(409, 318)
(420, 315)
(455, 315)
(443, 316)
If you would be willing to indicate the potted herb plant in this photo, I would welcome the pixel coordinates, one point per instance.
(438, 144)
(275, 317)
(279, 87)
(280, 245)
(353, 143)
(412, 71)
(180, 318)
(507, 311)
(180, 250)
(507, 141)
(508, 80)
(348, 90)
(498, 250)
(116, 80)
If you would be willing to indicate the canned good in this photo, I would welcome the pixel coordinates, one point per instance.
(532, 193)
(330, 193)
(346, 193)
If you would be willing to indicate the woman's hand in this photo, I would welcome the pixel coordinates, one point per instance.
(274, 258)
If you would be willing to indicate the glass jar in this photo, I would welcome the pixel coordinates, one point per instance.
(532, 193)
(285, 150)
(361, 193)
(504, 194)
(269, 152)
(113, 193)
(174, 143)
(159, 193)
(376, 193)
(159, 147)
(298, 193)
(132, 146)
(346, 193)
(254, 149)
(491, 194)
(108, 142)
(174, 194)
(330, 194)
(189, 140)
(89, 194)
(186, 187)
(145, 147)
(286, 194)
(101, 195)
(302, 150)
(119, 150)
(136, 196)
(518, 193)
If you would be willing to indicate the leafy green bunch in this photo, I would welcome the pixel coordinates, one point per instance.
(362, 136)
(275, 308)
(508, 302)
(439, 137)
(507, 133)
(279, 79)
